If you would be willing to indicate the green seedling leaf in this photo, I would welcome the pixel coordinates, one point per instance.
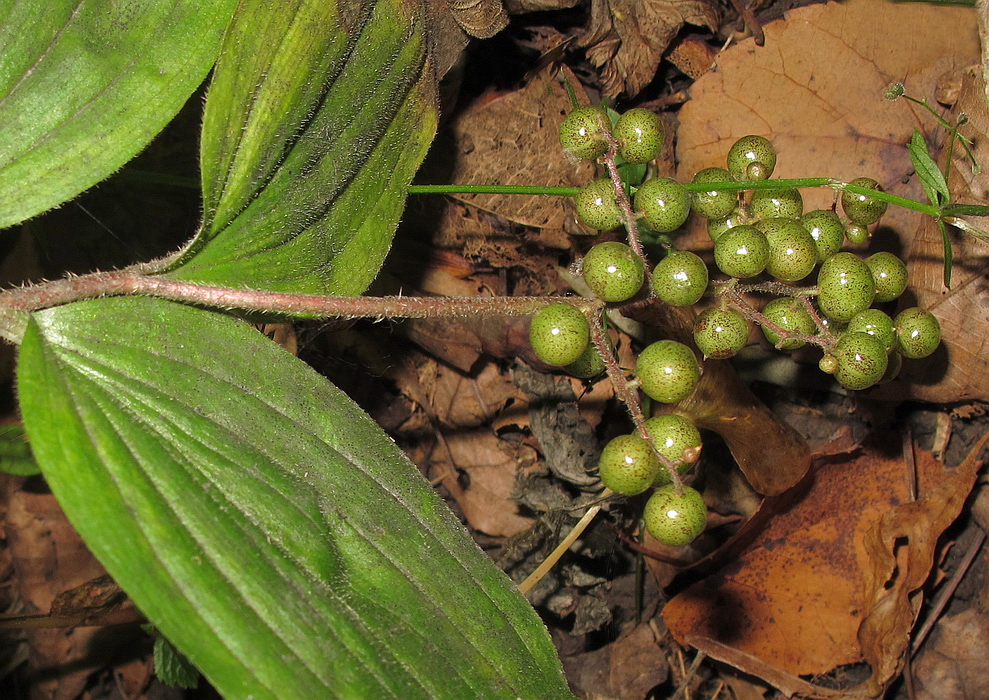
(262, 521)
(966, 210)
(85, 86)
(15, 452)
(930, 175)
(318, 116)
(172, 667)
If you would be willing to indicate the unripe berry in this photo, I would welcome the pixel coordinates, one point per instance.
(668, 371)
(583, 133)
(597, 206)
(678, 440)
(792, 252)
(675, 518)
(717, 227)
(791, 315)
(861, 208)
(640, 135)
(750, 150)
(889, 273)
(918, 333)
(663, 203)
(784, 201)
(559, 334)
(680, 279)
(713, 204)
(826, 229)
(742, 251)
(875, 323)
(613, 271)
(844, 286)
(590, 364)
(856, 233)
(628, 465)
(720, 333)
(861, 359)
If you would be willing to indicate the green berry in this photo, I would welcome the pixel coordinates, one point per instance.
(792, 252)
(875, 323)
(861, 360)
(663, 203)
(828, 364)
(826, 229)
(628, 465)
(861, 208)
(668, 371)
(597, 205)
(590, 364)
(714, 204)
(584, 133)
(680, 279)
(640, 135)
(675, 518)
(783, 201)
(559, 334)
(720, 333)
(889, 273)
(677, 439)
(789, 314)
(717, 227)
(918, 332)
(742, 251)
(750, 150)
(613, 271)
(844, 286)
(856, 233)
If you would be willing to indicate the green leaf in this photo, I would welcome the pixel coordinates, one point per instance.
(318, 117)
(260, 519)
(172, 667)
(930, 175)
(948, 255)
(84, 86)
(966, 210)
(15, 452)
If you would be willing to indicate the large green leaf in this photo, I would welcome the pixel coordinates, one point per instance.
(260, 519)
(84, 86)
(317, 118)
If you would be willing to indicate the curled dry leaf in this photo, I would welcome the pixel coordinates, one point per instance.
(626, 38)
(816, 579)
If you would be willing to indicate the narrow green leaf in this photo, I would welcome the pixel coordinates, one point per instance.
(260, 519)
(318, 117)
(84, 86)
(15, 452)
(930, 175)
(948, 254)
(966, 210)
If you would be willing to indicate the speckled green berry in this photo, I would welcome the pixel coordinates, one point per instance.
(826, 229)
(583, 133)
(559, 334)
(613, 271)
(889, 273)
(628, 465)
(717, 227)
(792, 252)
(720, 333)
(597, 206)
(875, 323)
(783, 201)
(675, 518)
(790, 314)
(861, 208)
(680, 278)
(742, 251)
(856, 233)
(714, 204)
(748, 150)
(918, 332)
(590, 364)
(640, 135)
(861, 361)
(668, 371)
(844, 286)
(663, 204)
(677, 439)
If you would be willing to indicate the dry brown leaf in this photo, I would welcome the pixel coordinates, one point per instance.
(626, 38)
(958, 370)
(626, 669)
(816, 90)
(955, 664)
(480, 18)
(512, 139)
(807, 592)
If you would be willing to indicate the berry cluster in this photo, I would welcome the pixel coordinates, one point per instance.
(763, 243)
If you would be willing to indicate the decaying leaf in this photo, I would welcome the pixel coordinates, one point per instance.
(816, 579)
(626, 38)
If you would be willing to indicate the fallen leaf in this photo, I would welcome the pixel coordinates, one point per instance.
(816, 90)
(626, 38)
(626, 669)
(807, 589)
(955, 663)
